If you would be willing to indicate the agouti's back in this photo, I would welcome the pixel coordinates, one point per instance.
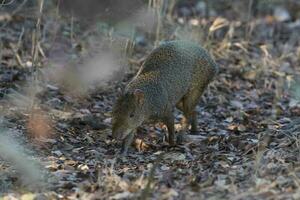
(177, 66)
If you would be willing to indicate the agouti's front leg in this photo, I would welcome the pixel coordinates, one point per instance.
(169, 122)
(126, 143)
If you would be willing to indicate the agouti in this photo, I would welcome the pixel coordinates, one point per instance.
(175, 74)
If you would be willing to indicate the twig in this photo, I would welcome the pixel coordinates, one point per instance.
(53, 40)
(35, 50)
(207, 9)
(15, 12)
(3, 3)
(157, 5)
(20, 37)
(17, 56)
(15, 50)
(72, 29)
(170, 9)
(147, 191)
(249, 17)
(41, 51)
(36, 34)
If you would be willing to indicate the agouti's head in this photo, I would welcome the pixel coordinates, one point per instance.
(127, 113)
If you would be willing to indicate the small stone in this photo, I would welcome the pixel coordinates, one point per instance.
(28, 64)
(107, 120)
(281, 14)
(57, 152)
(164, 168)
(241, 128)
(52, 87)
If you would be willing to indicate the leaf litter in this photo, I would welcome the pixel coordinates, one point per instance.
(248, 144)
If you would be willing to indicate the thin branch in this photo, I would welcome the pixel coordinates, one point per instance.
(3, 3)
(15, 12)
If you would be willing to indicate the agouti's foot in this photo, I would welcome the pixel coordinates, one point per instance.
(181, 139)
(194, 132)
(171, 140)
(172, 143)
(170, 148)
(123, 151)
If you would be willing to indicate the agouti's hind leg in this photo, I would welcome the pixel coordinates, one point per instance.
(194, 122)
(189, 117)
(185, 121)
(187, 106)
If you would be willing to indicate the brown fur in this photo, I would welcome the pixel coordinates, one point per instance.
(174, 75)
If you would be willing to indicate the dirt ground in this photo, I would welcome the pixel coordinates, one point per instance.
(60, 75)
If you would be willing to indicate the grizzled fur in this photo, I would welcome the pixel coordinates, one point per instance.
(174, 75)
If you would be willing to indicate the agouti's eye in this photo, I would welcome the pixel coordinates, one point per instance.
(131, 115)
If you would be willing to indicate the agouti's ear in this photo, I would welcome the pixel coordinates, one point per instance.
(139, 96)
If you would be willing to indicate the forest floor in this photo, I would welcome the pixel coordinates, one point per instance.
(56, 129)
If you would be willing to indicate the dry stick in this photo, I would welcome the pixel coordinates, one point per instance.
(20, 37)
(15, 50)
(14, 12)
(129, 47)
(36, 49)
(207, 9)
(164, 7)
(17, 56)
(297, 180)
(249, 17)
(150, 3)
(56, 31)
(261, 149)
(157, 7)
(147, 191)
(36, 34)
(3, 3)
(72, 29)
(170, 9)
(41, 51)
